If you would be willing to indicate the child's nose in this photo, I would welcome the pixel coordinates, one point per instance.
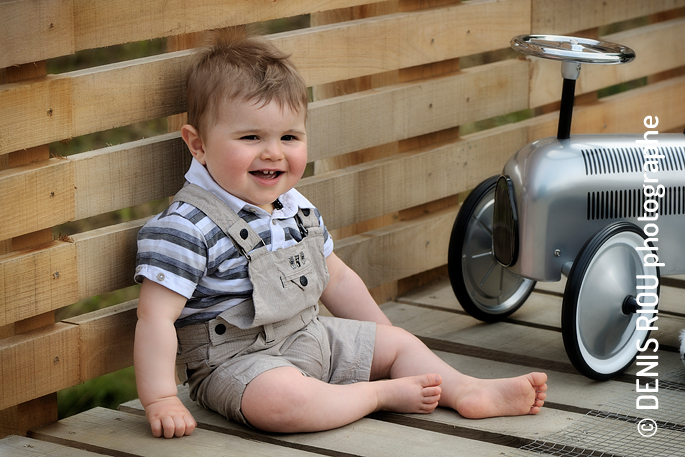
(272, 151)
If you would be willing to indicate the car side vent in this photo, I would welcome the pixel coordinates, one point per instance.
(629, 203)
(629, 160)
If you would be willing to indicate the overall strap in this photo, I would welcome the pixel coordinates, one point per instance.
(242, 235)
(307, 217)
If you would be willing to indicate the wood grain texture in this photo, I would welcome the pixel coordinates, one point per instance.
(38, 363)
(85, 101)
(372, 118)
(37, 281)
(19, 446)
(106, 339)
(128, 434)
(657, 47)
(35, 30)
(121, 176)
(560, 17)
(106, 256)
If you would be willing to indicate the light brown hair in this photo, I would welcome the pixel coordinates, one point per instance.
(238, 67)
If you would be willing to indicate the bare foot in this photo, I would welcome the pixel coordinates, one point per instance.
(413, 394)
(503, 397)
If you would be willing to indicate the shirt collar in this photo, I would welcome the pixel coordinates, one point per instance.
(292, 200)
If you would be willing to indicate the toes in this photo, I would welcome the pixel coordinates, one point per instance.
(431, 391)
(537, 379)
(428, 407)
(432, 399)
(430, 380)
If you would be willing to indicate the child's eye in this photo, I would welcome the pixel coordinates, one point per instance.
(288, 138)
(249, 137)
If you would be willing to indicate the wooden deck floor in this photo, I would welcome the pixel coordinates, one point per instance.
(530, 340)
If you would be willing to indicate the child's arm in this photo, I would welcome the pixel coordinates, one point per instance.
(154, 356)
(347, 296)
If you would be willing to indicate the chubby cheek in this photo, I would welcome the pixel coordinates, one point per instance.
(298, 163)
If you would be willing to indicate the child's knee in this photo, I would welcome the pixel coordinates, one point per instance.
(274, 399)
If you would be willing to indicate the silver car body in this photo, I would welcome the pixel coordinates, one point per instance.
(567, 190)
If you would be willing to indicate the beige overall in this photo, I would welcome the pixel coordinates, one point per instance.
(278, 327)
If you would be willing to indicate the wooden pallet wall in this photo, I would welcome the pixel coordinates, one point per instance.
(405, 93)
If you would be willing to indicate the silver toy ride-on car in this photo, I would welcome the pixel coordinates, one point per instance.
(606, 211)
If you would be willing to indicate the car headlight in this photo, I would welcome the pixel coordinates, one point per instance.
(505, 237)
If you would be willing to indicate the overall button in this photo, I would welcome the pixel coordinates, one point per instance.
(303, 280)
(244, 234)
(220, 329)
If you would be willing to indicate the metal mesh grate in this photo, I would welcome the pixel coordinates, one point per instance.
(629, 160)
(629, 203)
(613, 430)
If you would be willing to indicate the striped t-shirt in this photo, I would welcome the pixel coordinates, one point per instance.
(185, 251)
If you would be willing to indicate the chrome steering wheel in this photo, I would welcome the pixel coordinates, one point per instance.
(572, 49)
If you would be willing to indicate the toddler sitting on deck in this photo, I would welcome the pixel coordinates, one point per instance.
(233, 270)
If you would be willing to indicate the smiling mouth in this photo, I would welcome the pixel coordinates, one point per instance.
(266, 174)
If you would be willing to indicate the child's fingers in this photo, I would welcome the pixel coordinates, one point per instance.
(169, 426)
(190, 424)
(156, 426)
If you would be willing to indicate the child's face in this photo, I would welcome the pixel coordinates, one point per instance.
(256, 152)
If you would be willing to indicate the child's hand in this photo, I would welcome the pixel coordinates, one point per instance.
(169, 417)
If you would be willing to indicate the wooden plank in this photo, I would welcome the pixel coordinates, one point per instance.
(399, 250)
(114, 22)
(560, 17)
(19, 419)
(358, 121)
(537, 348)
(41, 30)
(104, 431)
(21, 299)
(106, 24)
(116, 177)
(38, 363)
(364, 437)
(35, 196)
(389, 42)
(154, 97)
(39, 108)
(435, 173)
(43, 409)
(580, 391)
(119, 94)
(106, 258)
(20, 446)
(37, 281)
(106, 339)
(100, 429)
(92, 183)
(656, 47)
(621, 113)
(126, 175)
(35, 30)
(544, 310)
(95, 174)
(540, 309)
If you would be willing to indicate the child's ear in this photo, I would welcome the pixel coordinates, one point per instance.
(192, 138)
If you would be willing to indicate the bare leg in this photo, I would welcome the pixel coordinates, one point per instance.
(283, 400)
(399, 353)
